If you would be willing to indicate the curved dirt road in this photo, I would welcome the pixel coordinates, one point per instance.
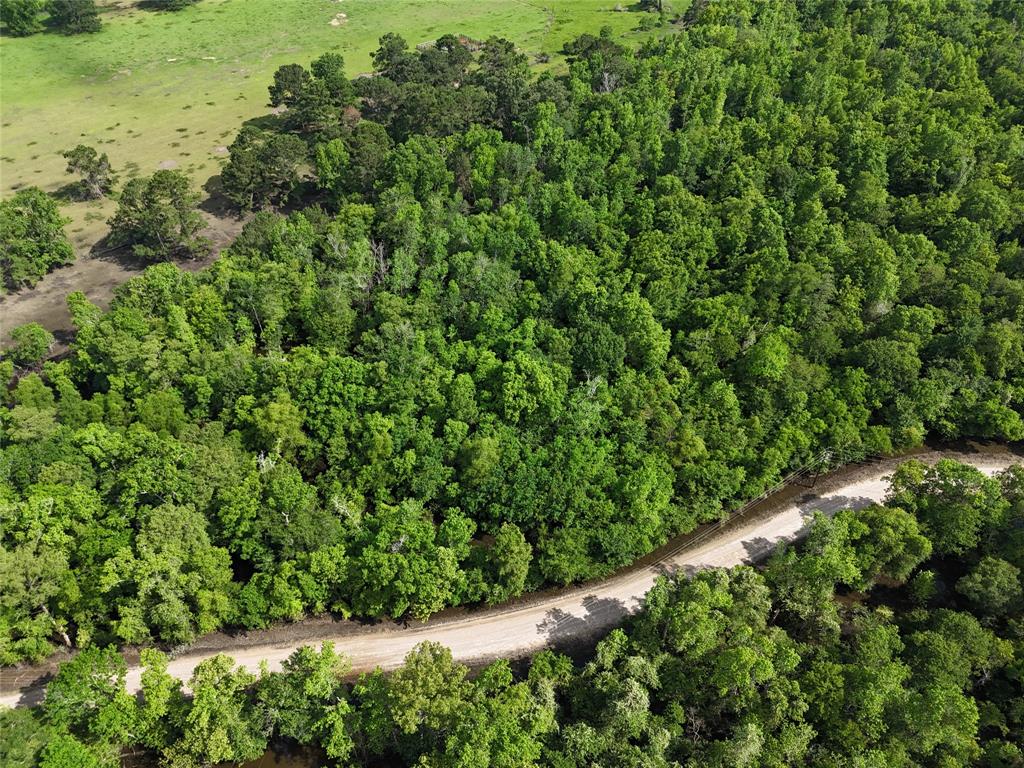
(576, 614)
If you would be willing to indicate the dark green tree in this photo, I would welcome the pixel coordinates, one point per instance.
(73, 17)
(94, 168)
(156, 216)
(21, 17)
(263, 168)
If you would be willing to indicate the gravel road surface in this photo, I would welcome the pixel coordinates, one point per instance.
(556, 617)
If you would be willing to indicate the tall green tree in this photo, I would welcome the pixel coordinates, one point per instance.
(954, 502)
(156, 216)
(87, 698)
(994, 586)
(220, 725)
(263, 168)
(32, 343)
(93, 167)
(32, 238)
(308, 700)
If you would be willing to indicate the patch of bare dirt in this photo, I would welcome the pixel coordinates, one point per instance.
(96, 275)
(45, 303)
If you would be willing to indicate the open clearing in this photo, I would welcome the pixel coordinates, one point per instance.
(97, 276)
(557, 618)
(165, 90)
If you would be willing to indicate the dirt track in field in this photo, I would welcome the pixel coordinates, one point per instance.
(556, 618)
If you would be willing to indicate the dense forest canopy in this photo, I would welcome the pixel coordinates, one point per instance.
(788, 666)
(531, 327)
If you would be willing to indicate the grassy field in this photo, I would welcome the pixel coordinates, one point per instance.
(171, 89)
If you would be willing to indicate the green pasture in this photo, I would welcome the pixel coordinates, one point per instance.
(171, 89)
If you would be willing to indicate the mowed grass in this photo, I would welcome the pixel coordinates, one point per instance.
(159, 90)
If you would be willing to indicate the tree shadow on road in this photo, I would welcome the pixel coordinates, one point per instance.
(34, 695)
(759, 549)
(566, 632)
(810, 503)
(674, 570)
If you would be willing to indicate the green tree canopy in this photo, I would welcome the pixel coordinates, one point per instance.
(32, 238)
(156, 216)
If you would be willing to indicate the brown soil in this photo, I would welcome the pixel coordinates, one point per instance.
(97, 275)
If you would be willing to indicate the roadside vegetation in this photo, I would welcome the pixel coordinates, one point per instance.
(891, 637)
(529, 327)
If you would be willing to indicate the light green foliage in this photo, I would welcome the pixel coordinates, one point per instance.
(428, 709)
(23, 735)
(509, 560)
(32, 239)
(83, 312)
(31, 343)
(953, 502)
(427, 692)
(307, 701)
(887, 543)
(68, 752)
(35, 577)
(220, 724)
(181, 584)
(994, 586)
(333, 164)
(161, 703)
(87, 698)
(402, 568)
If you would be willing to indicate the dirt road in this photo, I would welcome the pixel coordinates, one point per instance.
(576, 614)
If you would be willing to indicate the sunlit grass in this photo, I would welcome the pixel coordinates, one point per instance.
(171, 89)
